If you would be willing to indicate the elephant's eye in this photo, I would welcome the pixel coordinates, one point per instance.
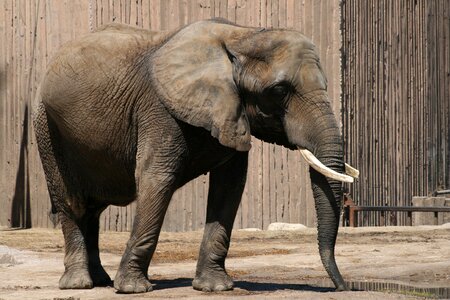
(279, 91)
(274, 99)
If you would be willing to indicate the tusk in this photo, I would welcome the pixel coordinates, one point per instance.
(321, 168)
(349, 170)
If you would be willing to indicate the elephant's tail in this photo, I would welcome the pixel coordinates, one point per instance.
(49, 156)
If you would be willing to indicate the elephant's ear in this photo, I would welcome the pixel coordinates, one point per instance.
(193, 72)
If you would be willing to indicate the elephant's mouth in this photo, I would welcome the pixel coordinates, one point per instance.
(314, 162)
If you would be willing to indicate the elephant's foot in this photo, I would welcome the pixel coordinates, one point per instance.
(212, 281)
(99, 276)
(132, 282)
(76, 278)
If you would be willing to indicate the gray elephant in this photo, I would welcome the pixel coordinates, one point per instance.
(125, 115)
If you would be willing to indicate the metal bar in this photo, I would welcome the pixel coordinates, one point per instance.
(354, 209)
(442, 192)
(402, 208)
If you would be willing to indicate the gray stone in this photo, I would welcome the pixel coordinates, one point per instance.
(286, 226)
(429, 218)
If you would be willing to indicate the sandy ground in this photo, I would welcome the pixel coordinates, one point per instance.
(264, 264)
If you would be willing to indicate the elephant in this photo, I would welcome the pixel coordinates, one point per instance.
(125, 114)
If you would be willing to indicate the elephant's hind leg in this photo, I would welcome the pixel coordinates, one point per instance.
(82, 259)
(76, 273)
(90, 225)
(225, 190)
(76, 262)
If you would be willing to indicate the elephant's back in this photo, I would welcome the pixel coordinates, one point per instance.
(90, 90)
(152, 36)
(94, 60)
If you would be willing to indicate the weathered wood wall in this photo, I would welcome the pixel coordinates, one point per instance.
(30, 32)
(278, 187)
(396, 99)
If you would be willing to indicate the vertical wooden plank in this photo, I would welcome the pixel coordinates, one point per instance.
(20, 194)
(32, 14)
(446, 95)
(231, 10)
(3, 54)
(182, 9)
(290, 7)
(11, 115)
(145, 13)
(223, 9)
(154, 14)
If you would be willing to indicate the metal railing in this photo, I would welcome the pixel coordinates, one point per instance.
(351, 211)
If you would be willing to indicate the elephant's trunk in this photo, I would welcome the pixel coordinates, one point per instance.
(328, 196)
(320, 133)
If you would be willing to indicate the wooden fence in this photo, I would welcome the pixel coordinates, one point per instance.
(278, 187)
(396, 100)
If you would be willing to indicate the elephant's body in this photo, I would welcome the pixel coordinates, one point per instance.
(130, 115)
(101, 133)
(105, 168)
(100, 161)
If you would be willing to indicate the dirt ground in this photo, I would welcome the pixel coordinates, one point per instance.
(386, 261)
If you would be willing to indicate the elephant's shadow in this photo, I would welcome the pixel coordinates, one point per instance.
(242, 284)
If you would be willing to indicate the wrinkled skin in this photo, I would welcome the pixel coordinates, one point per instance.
(126, 115)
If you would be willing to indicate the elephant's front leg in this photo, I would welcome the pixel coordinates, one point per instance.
(155, 192)
(225, 191)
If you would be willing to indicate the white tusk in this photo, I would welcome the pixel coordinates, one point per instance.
(321, 168)
(349, 170)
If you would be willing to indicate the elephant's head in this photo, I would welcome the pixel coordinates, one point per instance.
(236, 82)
